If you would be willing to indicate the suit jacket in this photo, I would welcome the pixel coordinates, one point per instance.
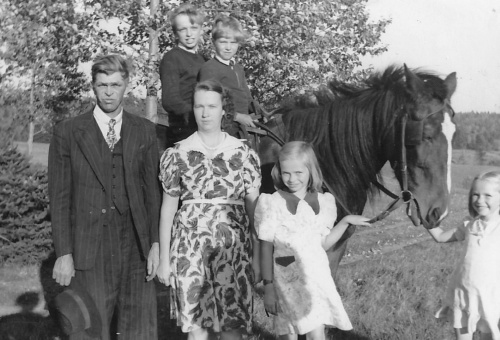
(78, 202)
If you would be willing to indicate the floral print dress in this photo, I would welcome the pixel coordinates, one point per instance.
(210, 249)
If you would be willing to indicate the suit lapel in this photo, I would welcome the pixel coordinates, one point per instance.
(87, 139)
(130, 134)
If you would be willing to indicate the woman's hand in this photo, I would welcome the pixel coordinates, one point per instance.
(271, 303)
(244, 119)
(163, 272)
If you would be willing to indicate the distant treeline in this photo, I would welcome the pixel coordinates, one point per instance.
(477, 131)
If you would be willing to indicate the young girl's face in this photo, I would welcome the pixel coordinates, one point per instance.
(486, 199)
(295, 176)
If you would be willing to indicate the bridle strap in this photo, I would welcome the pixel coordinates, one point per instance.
(270, 133)
(406, 196)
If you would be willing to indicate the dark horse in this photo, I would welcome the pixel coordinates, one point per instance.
(399, 116)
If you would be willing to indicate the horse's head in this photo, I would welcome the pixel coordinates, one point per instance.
(428, 134)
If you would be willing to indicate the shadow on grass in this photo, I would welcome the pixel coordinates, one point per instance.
(27, 324)
(337, 334)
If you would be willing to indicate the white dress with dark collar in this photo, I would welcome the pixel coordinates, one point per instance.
(306, 291)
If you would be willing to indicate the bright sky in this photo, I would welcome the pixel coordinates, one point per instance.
(446, 36)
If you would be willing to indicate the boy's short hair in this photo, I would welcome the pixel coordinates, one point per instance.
(195, 15)
(304, 151)
(225, 25)
(109, 64)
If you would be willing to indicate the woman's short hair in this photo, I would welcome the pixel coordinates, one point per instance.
(195, 15)
(490, 176)
(226, 97)
(225, 26)
(109, 64)
(303, 151)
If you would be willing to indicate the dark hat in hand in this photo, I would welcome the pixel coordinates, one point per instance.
(77, 312)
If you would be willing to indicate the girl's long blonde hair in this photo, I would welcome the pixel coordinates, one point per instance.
(303, 151)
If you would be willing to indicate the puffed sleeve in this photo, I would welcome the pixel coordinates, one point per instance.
(251, 171)
(265, 218)
(329, 209)
(170, 176)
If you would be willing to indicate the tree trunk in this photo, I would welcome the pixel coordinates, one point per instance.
(31, 118)
(151, 99)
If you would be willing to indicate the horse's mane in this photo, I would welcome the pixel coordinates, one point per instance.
(347, 125)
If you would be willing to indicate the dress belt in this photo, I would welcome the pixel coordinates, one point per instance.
(214, 201)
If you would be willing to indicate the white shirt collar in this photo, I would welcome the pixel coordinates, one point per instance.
(225, 62)
(188, 50)
(103, 119)
(194, 143)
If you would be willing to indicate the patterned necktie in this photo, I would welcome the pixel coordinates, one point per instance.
(111, 136)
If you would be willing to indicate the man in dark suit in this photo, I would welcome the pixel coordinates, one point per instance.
(104, 202)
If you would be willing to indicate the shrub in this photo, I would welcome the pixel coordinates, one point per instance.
(25, 234)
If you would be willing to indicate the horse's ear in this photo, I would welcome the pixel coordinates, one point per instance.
(416, 88)
(451, 84)
(414, 84)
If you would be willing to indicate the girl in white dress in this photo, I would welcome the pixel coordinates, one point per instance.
(295, 227)
(472, 300)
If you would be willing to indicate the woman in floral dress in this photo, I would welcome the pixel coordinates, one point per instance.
(206, 244)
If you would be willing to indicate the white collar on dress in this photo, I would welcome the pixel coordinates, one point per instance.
(194, 143)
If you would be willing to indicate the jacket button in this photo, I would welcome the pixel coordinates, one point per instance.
(103, 211)
(113, 208)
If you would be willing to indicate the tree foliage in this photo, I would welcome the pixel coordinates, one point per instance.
(293, 45)
(477, 131)
(43, 42)
(24, 210)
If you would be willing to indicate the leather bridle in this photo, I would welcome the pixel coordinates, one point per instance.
(405, 196)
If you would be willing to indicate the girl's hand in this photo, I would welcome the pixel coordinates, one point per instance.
(163, 272)
(244, 119)
(271, 303)
(356, 220)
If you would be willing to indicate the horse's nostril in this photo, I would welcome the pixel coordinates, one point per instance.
(435, 216)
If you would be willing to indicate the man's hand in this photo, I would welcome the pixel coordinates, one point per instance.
(153, 261)
(64, 270)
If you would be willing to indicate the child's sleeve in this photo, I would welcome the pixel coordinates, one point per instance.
(172, 100)
(265, 218)
(170, 176)
(330, 211)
